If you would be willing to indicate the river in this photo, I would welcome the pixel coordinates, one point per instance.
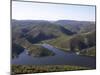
(60, 58)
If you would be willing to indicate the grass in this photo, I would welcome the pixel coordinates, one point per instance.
(89, 51)
(24, 69)
(61, 42)
(39, 51)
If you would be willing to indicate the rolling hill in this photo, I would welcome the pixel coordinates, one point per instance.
(68, 35)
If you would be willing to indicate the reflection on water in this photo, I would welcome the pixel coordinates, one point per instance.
(16, 50)
(59, 58)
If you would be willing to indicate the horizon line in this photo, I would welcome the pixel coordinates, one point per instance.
(56, 20)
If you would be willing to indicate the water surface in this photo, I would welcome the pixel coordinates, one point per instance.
(60, 57)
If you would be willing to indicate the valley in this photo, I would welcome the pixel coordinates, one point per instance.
(63, 42)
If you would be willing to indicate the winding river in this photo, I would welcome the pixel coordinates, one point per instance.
(60, 57)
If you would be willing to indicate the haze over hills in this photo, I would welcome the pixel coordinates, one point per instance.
(71, 25)
(60, 22)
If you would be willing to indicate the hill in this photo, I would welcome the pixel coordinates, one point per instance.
(68, 35)
(77, 26)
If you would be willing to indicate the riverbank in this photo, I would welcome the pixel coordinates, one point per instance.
(25, 69)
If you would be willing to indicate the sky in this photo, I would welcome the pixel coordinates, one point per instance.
(45, 11)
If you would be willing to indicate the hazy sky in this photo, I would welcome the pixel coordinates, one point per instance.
(44, 11)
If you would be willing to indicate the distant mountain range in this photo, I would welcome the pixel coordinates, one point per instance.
(72, 25)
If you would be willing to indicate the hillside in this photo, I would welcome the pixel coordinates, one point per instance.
(75, 43)
(77, 26)
(36, 33)
(68, 35)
